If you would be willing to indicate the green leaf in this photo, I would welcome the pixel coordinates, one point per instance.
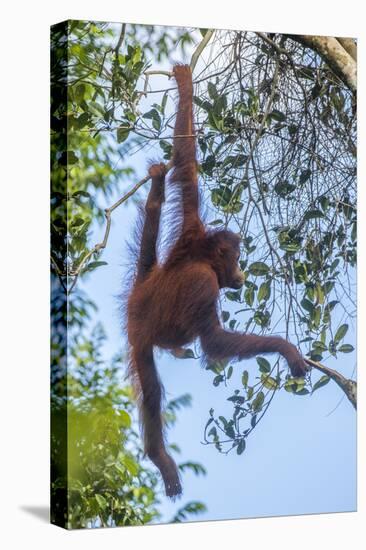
(163, 103)
(238, 399)
(284, 188)
(188, 354)
(93, 265)
(303, 391)
(277, 115)
(264, 291)
(220, 196)
(156, 120)
(306, 304)
(101, 501)
(258, 269)
(291, 247)
(216, 381)
(124, 419)
(319, 346)
(249, 296)
(244, 378)
(294, 385)
(95, 108)
(233, 296)
(292, 129)
(212, 92)
(79, 93)
(341, 332)
(225, 316)
(122, 134)
(241, 447)
(304, 176)
(72, 158)
(346, 348)
(312, 214)
(264, 365)
(321, 382)
(77, 222)
(204, 104)
(269, 382)
(81, 121)
(196, 467)
(258, 401)
(212, 432)
(131, 465)
(81, 194)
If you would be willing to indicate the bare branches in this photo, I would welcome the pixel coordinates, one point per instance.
(201, 46)
(195, 56)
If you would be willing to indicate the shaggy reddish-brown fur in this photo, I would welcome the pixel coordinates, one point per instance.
(172, 304)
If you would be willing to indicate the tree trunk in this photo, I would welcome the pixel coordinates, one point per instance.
(340, 54)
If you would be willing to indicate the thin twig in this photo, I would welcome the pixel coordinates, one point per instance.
(108, 211)
(165, 73)
(201, 46)
(120, 40)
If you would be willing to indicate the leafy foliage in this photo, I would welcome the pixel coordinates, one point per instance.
(108, 483)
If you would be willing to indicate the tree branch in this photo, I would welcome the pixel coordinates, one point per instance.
(120, 40)
(349, 45)
(201, 46)
(347, 385)
(334, 54)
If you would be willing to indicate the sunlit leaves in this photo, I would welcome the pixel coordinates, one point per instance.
(96, 109)
(269, 382)
(102, 503)
(187, 510)
(296, 386)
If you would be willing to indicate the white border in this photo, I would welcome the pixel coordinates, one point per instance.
(24, 274)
